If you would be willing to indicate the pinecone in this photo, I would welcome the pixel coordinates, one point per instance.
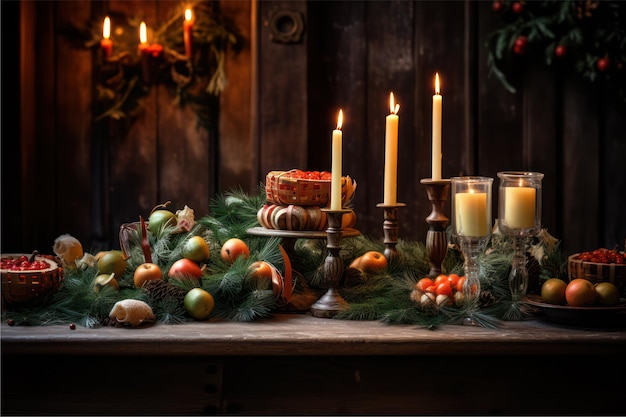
(486, 298)
(159, 290)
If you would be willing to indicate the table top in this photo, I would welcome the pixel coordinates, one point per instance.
(297, 334)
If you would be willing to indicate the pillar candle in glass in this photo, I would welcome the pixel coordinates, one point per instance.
(471, 227)
(519, 202)
(519, 217)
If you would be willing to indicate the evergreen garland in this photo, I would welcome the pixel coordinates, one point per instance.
(382, 296)
(584, 37)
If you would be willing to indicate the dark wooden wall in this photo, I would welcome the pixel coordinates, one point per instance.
(278, 112)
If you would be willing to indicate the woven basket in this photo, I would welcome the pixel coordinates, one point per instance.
(597, 272)
(26, 286)
(283, 190)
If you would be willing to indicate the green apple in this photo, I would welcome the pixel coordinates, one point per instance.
(199, 303)
(196, 249)
(608, 294)
(110, 262)
(160, 219)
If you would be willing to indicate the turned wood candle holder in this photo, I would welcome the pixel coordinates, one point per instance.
(332, 302)
(436, 239)
(390, 228)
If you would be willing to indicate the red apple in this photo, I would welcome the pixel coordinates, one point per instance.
(234, 248)
(184, 268)
(146, 272)
(580, 292)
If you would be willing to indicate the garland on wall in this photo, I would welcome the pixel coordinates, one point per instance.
(195, 77)
(584, 37)
(383, 295)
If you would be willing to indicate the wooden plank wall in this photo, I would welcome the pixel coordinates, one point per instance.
(278, 112)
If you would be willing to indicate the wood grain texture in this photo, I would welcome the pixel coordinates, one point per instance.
(302, 334)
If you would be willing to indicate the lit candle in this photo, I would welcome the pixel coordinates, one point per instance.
(143, 37)
(106, 43)
(187, 24)
(471, 213)
(335, 182)
(391, 154)
(436, 159)
(519, 206)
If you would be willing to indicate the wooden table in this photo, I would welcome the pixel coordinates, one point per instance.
(299, 364)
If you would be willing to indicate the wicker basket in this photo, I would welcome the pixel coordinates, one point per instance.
(597, 272)
(20, 287)
(283, 190)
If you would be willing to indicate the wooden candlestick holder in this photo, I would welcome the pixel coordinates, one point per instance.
(390, 228)
(332, 302)
(436, 239)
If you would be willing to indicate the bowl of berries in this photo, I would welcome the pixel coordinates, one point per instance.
(28, 278)
(599, 265)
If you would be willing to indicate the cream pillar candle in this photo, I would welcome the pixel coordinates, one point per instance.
(335, 182)
(471, 214)
(436, 133)
(391, 154)
(519, 207)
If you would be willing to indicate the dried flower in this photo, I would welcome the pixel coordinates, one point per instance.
(68, 249)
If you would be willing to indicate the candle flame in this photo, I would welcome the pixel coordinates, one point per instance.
(106, 28)
(188, 14)
(340, 120)
(521, 183)
(143, 33)
(437, 90)
(393, 107)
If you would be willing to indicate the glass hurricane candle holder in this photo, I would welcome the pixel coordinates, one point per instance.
(519, 217)
(471, 226)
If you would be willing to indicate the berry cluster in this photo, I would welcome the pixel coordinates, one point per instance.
(603, 256)
(23, 264)
(309, 175)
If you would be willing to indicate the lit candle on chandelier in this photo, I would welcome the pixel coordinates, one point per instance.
(106, 43)
(143, 38)
(335, 182)
(437, 156)
(187, 25)
(391, 154)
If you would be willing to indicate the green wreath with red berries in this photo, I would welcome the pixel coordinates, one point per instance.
(585, 37)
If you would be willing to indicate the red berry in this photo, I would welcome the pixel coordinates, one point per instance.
(560, 51)
(72, 326)
(517, 7)
(603, 64)
(11, 322)
(521, 41)
(496, 6)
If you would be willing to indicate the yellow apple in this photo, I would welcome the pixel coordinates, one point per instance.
(146, 272)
